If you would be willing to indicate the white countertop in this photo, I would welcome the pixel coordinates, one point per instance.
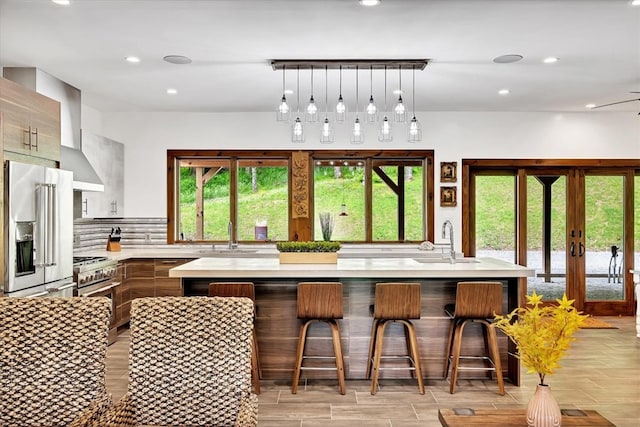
(265, 251)
(350, 267)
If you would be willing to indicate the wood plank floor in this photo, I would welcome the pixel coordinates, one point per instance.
(601, 372)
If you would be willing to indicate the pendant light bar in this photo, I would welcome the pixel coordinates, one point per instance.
(334, 64)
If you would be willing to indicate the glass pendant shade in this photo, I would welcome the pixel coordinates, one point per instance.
(415, 130)
(399, 111)
(384, 135)
(357, 135)
(326, 134)
(284, 112)
(297, 131)
(341, 110)
(372, 111)
(312, 111)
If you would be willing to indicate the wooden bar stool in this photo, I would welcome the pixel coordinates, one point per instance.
(247, 290)
(395, 302)
(476, 302)
(319, 302)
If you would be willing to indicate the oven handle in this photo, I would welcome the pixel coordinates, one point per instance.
(39, 294)
(104, 288)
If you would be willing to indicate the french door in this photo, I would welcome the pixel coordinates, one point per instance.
(573, 225)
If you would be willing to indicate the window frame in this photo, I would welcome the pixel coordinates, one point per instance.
(300, 229)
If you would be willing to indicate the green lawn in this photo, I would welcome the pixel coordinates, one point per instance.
(495, 221)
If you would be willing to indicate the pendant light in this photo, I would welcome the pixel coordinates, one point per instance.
(341, 108)
(357, 135)
(312, 109)
(284, 112)
(415, 131)
(384, 134)
(297, 130)
(399, 112)
(326, 134)
(372, 110)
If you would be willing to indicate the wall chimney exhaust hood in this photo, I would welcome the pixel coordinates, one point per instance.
(84, 177)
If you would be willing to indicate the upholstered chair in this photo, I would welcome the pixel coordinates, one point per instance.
(52, 361)
(189, 363)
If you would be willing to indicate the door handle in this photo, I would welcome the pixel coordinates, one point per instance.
(573, 249)
(581, 251)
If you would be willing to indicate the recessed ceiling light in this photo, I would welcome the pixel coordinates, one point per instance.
(62, 2)
(369, 2)
(504, 92)
(550, 60)
(635, 2)
(590, 106)
(172, 91)
(132, 59)
(507, 59)
(177, 59)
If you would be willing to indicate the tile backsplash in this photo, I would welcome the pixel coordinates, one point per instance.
(91, 234)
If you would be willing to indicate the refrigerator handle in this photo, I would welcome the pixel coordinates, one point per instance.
(41, 236)
(51, 235)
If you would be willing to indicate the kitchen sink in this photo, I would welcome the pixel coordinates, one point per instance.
(447, 260)
(214, 252)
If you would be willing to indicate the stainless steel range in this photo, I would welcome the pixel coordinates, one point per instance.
(92, 270)
(98, 277)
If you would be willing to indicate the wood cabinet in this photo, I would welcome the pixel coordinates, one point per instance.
(30, 122)
(150, 277)
(165, 285)
(107, 158)
(123, 297)
(139, 276)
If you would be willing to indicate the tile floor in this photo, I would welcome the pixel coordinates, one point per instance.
(601, 372)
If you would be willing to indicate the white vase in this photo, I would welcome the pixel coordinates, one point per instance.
(543, 410)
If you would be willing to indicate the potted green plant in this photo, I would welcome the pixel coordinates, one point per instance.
(308, 252)
(542, 334)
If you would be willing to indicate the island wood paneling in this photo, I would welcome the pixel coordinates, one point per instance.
(277, 328)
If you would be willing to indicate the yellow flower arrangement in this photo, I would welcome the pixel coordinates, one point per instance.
(541, 333)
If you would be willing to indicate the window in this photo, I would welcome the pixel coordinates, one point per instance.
(203, 208)
(395, 188)
(246, 196)
(262, 200)
(340, 198)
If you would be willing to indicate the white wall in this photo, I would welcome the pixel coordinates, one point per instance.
(452, 135)
(91, 120)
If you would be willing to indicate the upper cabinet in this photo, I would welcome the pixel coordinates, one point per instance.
(30, 122)
(107, 158)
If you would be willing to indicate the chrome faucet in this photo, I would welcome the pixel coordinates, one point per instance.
(232, 244)
(452, 251)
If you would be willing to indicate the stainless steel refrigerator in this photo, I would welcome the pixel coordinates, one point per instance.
(39, 228)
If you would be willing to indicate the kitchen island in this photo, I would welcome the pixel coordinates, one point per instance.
(277, 326)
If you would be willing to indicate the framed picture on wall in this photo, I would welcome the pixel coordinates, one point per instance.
(448, 171)
(448, 196)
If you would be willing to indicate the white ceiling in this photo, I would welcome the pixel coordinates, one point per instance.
(231, 43)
